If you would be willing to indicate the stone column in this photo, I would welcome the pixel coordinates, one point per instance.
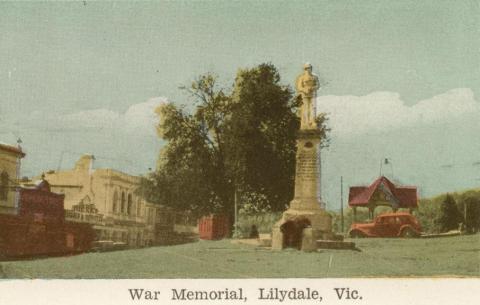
(305, 206)
(307, 171)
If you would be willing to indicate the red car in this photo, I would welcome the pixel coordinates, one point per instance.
(388, 225)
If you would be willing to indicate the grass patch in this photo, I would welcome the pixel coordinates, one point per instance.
(448, 256)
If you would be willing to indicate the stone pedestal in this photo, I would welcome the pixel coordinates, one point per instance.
(305, 219)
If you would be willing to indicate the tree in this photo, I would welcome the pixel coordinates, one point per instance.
(469, 204)
(191, 173)
(238, 140)
(450, 217)
(261, 135)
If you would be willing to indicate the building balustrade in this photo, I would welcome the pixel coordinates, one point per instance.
(77, 216)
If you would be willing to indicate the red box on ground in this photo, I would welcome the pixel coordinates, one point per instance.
(213, 227)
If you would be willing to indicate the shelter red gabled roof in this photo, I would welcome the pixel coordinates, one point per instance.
(404, 196)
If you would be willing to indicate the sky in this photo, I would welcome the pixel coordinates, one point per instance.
(403, 80)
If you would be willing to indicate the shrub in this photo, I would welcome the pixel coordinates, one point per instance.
(264, 222)
(427, 214)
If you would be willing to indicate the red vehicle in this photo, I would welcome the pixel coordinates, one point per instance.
(21, 237)
(388, 225)
(39, 227)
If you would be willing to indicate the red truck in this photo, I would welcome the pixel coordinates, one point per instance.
(39, 227)
(388, 225)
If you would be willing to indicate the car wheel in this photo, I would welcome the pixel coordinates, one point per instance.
(357, 234)
(408, 233)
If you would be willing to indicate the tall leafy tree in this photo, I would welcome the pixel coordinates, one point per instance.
(261, 135)
(191, 173)
(239, 140)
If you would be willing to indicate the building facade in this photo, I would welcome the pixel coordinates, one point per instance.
(10, 157)
(109, 200)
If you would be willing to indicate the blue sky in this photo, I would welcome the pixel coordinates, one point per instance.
(403, 79)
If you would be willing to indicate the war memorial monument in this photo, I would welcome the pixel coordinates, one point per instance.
(306, 220)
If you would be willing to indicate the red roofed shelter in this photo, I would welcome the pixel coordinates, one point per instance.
(382, 192)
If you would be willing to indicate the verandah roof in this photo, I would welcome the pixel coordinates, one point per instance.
(401, 196)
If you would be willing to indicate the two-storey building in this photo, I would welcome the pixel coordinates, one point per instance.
(109, 200)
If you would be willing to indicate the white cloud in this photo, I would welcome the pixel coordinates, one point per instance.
(123, 140)
(348, 115)
(138, 118)
(383, 111)
(142, 117)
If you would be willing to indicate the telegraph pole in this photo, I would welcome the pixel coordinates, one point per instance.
(235, 230)
(341, 202)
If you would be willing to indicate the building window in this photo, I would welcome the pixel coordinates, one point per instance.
(122, 210)
(115, 202)
(129, 204)
(4, 186)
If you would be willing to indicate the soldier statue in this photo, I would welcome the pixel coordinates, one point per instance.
(307, 85)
